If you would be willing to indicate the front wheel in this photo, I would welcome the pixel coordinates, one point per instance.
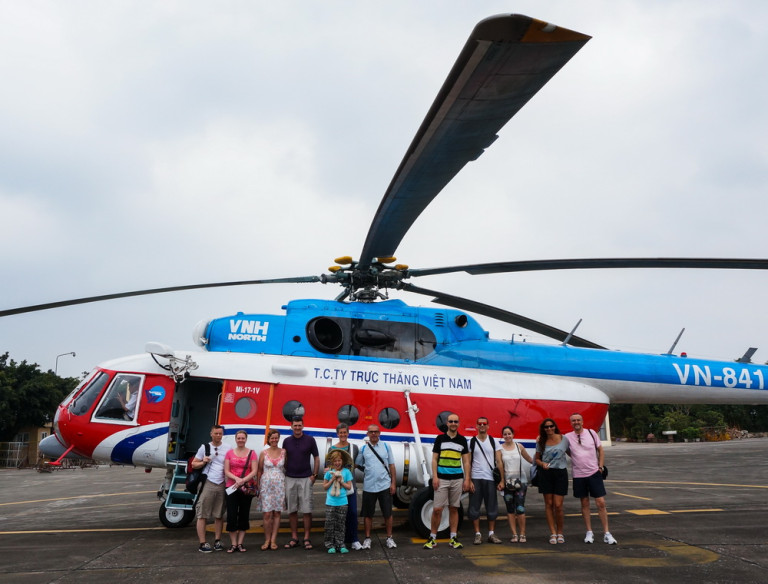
(420, 514)
(175, 517)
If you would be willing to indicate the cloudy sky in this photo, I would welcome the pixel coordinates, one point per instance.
(149, 144)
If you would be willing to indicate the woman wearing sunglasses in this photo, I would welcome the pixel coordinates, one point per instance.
(551, 447)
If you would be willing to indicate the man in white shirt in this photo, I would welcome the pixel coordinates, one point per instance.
(484, 450)
(212, 500)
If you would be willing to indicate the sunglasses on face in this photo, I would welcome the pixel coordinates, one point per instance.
(453, 421)
(548, 427)
(482, 423)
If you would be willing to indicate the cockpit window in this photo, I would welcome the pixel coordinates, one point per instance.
(83, 402)
(122, 398)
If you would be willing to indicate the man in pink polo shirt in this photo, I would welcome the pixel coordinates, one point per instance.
(586, 453)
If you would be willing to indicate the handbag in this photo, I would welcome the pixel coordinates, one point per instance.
(604, 472)
(535, 475)
(196, 477)
(249, 488)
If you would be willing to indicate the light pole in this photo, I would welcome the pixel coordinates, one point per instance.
(56, 367)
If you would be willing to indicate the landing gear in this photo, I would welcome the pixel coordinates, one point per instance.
(175, 517)
(420, 514)
(403, 497)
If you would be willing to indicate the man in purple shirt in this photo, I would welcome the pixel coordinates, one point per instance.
(300, 475)
(587, 461)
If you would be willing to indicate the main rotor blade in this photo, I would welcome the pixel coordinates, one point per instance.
(593, 263)
(503, 315)
(62, 303)
(505, 61)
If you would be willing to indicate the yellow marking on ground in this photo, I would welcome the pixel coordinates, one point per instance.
(110, 530)
(695, 510)
(658, 555)
(647, 512)
(631, 496)
(78, 497)
(648, 483)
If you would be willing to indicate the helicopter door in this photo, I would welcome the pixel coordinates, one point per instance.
(195, 409)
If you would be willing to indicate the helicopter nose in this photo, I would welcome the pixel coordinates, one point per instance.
(51, 447)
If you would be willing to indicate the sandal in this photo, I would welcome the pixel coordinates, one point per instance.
(522, 539)
(307, 544)
(292, 544)
(273, 546)
(240, 548)
(560, 538)
(265, 546)
(232, 548)
(514, 539)
(553, 539)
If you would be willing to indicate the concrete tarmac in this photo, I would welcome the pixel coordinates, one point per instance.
(681, 512)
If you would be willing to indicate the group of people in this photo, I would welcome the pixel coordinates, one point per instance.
(285, 477)
(483, 468)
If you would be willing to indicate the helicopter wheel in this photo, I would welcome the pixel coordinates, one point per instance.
(420, 514)
(403, 497)
(175, 517)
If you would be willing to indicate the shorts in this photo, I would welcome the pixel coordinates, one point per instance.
(515, 501)
(485, 491)
(368, 506)
(553, 481)
(298, 495)
(591, 486)
(212, 501)
(448, 493)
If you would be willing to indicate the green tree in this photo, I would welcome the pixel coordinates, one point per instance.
(28, 396)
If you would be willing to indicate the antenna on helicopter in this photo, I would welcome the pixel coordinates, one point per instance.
(570, 334)
(747, 356)
(672, 348)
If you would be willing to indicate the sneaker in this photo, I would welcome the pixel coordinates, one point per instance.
(589, 538)
(217, 547)
(205, 548)
(493, 539)
(366, 544)
(331, 550)
(455, 544)
(391, 543)
(431, 544)
(357, 546)
(343, 550)
(478, 539)
(609, 539)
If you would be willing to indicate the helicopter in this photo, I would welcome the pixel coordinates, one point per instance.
(365, 358)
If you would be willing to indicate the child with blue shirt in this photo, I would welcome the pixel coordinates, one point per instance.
(336, 481)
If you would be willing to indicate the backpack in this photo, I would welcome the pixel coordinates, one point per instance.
(195, 476)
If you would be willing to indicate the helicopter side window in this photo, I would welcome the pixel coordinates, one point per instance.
(83, 402)
(293, 409)
(348, 414)
(389, 418)
(442, 421)
(122, 399)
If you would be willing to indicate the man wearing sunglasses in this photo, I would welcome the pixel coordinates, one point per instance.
(450, 478)
(587, 465)
(212, 500)
(485, 456)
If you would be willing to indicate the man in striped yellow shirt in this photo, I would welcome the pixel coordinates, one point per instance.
(450, 478)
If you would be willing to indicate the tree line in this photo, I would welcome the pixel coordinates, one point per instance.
(638, 421)
(28, 396)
